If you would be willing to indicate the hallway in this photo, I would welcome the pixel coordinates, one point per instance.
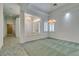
(10, 41)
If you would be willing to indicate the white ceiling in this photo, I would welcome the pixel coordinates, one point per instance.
(46, 7)
(11, 9)
(14, 9)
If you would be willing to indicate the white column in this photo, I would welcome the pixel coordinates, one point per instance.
(22, 31)
(41, 25)
(18, 34)
(1, 24)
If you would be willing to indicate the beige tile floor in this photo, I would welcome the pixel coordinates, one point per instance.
(12, 47)
(42, 47)
(10, 41)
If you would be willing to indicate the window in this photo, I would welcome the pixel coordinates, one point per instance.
(51, 24)
(51, 27)
(45, 26)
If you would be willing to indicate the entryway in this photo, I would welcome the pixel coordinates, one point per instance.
(10, 28)
(10, 31)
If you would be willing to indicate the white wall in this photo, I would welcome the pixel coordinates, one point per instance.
(66, 27)
(17, 28)
(22, 27)
(33, 11)
(42, 16)
(5, 27)
(28, 25)
(1, 24)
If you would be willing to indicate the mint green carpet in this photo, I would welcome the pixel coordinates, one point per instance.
(42, 47)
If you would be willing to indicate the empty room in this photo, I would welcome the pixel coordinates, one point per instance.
(39, 29)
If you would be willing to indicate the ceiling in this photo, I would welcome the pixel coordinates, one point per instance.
(46, 7)
(14, 9)
(11, 9)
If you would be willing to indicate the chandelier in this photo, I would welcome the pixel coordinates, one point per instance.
(51, 21)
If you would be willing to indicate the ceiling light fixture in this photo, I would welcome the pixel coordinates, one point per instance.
(51, 21)
(55, 4)
(67, 14)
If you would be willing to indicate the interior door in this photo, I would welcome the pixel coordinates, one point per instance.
(9, 29)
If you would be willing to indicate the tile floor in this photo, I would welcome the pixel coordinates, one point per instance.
(42, 47)
(12, 47)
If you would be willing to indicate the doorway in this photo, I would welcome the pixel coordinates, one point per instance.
(10, 31)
